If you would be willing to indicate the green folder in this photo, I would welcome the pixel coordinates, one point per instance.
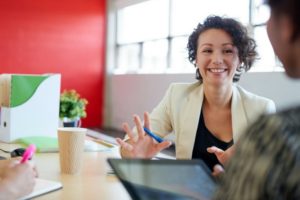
(42, 143)
(46, 144)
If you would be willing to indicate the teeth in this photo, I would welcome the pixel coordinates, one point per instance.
(217, 70)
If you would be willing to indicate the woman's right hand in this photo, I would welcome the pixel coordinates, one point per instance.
(18, 179)
(140, 145)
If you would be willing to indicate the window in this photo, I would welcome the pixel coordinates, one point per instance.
(267, 60)
(141, 22)
(152, 34)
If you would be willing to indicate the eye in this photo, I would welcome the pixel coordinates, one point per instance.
(207, 50)
(228, 51)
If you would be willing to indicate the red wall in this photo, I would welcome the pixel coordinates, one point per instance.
(50, 36)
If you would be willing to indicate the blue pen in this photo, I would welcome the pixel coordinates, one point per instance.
(155, 137)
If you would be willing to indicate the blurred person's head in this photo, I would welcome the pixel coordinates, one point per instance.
(283, 29)
(244, 45)
(266, 163)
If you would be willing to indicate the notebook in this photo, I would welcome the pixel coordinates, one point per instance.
(43, 187)
(164, 179)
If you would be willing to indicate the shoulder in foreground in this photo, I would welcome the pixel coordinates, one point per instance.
(293, 112)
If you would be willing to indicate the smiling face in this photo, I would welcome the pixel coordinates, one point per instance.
(217, 57)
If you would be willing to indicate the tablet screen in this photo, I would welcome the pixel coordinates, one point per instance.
(160, 179)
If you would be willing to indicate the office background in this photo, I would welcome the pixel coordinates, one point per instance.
(77, 39)
(137, 81)
(51, 36)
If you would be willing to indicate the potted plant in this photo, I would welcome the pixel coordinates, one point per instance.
(72, 108)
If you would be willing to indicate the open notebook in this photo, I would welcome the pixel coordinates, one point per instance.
(42, 187)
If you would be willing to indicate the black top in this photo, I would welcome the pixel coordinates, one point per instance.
(205, 139)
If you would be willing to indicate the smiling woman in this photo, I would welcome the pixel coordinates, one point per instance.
(211, 112)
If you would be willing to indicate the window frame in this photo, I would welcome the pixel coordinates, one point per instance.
(112, 58)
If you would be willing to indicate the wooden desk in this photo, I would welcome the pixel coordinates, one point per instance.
(91, 183)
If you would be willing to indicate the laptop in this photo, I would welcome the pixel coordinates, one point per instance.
(164, 179)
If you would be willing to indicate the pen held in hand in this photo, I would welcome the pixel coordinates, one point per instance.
(155, 137)
(28, 153)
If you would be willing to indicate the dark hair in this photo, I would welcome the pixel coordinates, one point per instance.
(290, 8)
(246, 46)
(266, 162)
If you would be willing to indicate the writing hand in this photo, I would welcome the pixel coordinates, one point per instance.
(17, 180)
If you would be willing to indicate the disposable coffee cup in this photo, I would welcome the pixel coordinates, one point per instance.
(71, 148)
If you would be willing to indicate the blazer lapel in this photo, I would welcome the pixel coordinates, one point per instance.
(238, 114)
(189, 122)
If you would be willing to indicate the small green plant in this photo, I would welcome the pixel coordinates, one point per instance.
(71, 105)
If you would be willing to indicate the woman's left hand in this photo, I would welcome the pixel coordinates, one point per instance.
(218, 170)
(223, 156)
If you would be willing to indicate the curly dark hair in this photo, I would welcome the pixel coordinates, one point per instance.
(246, 46)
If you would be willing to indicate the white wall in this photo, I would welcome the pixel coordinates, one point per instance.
(130, 94)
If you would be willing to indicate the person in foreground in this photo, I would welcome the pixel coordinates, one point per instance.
(266, 162)
(210, 112)
(16, 180)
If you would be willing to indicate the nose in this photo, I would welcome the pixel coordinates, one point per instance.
(217, 58)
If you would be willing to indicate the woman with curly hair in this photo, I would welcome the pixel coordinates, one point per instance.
(213, 111)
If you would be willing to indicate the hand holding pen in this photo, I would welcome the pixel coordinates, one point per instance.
(142, 145)
(28, 153)
(19, 176)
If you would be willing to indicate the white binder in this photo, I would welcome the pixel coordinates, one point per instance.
(37, 115)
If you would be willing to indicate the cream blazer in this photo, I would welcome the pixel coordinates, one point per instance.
(179, 113)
